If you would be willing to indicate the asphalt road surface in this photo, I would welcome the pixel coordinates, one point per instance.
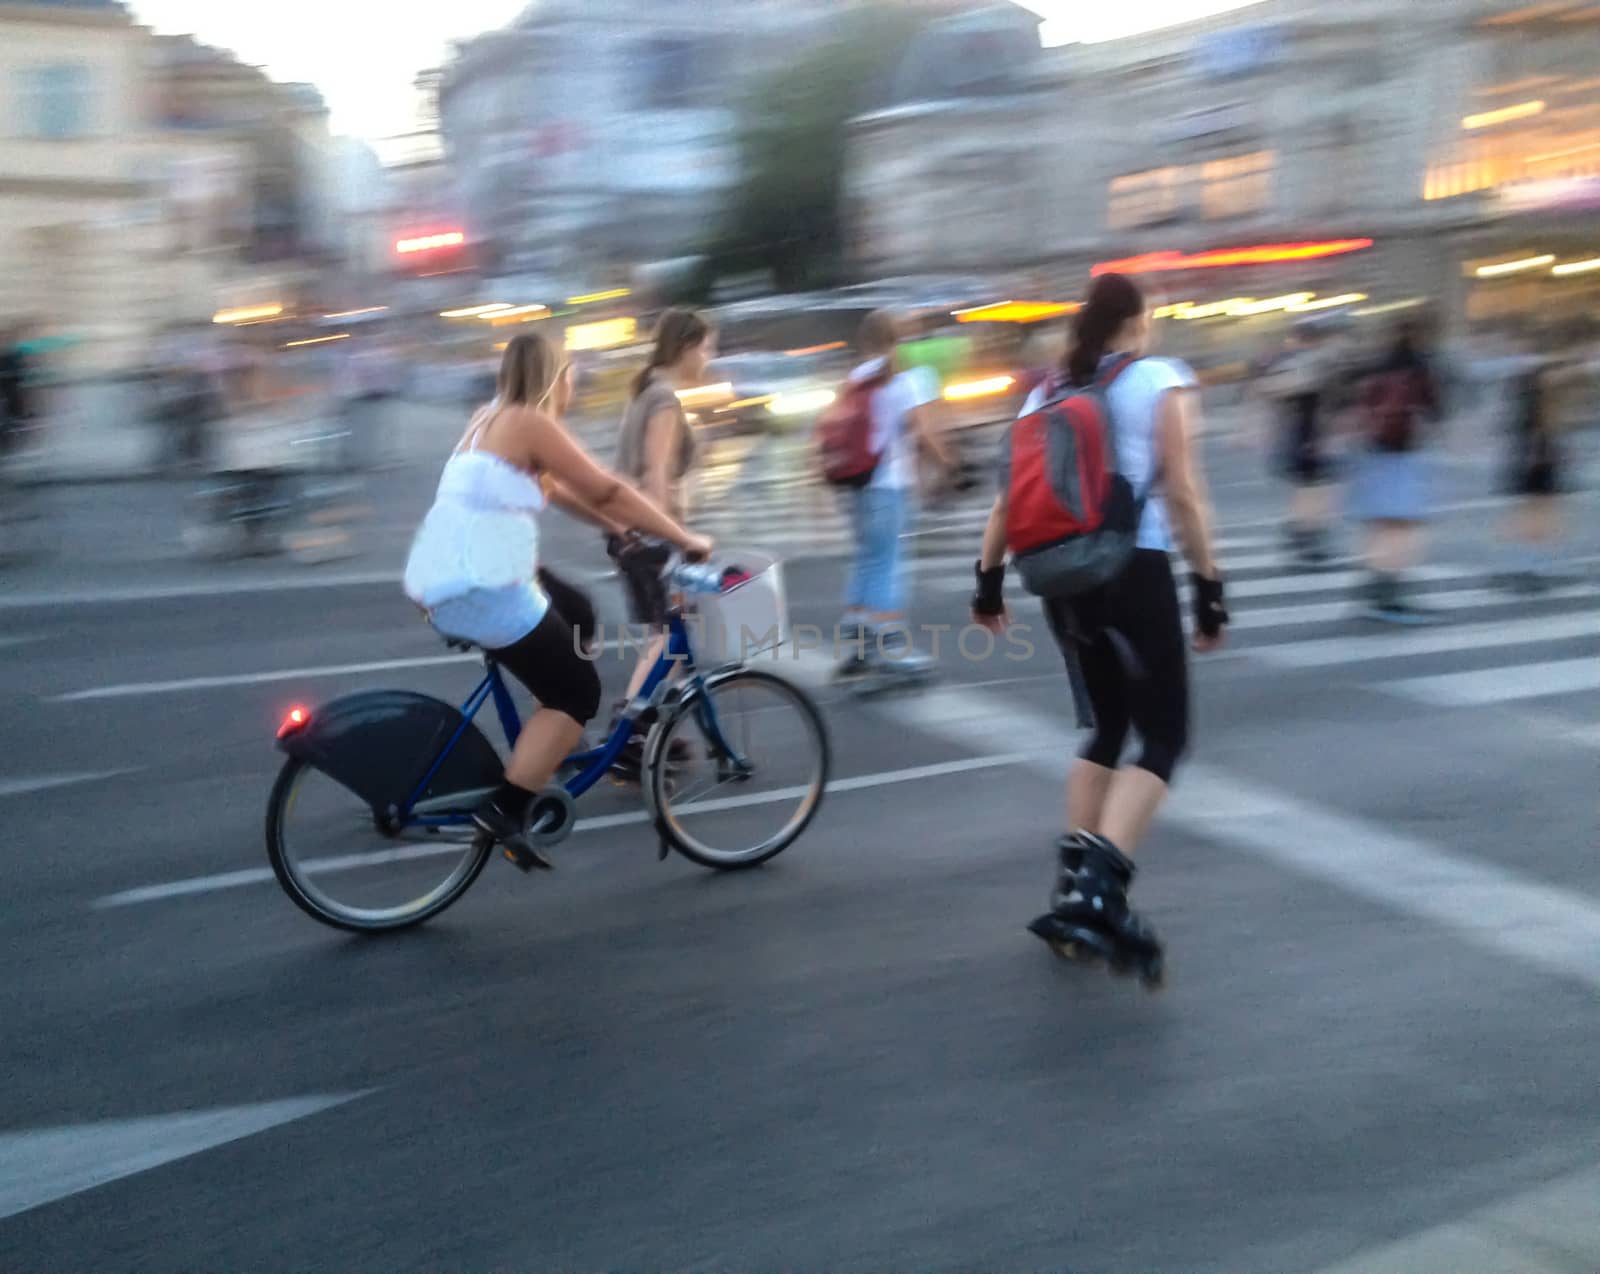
(1376, 882)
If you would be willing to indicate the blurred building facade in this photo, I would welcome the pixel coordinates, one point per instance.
(80, 237)
(1427, 128)
(147, 180)
(602, 131)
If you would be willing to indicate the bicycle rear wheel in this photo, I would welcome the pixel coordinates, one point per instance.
(340, 863)
(753, 769)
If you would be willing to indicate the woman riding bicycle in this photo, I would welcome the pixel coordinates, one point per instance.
(657, 450)
(474, 565)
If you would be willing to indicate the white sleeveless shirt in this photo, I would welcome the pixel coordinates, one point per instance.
(474, 559)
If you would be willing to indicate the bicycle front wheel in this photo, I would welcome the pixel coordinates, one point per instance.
(739, 770)
(343, 865)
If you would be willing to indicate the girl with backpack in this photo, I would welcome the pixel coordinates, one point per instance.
(870, 442)
(1399, 397)
(1122, 431)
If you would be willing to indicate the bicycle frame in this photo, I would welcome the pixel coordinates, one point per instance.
(594, 763)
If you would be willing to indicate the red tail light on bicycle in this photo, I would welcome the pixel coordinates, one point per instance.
(295, 719)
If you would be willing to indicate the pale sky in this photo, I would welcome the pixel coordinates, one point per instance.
(363, 54)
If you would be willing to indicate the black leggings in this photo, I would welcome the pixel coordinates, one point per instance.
(548, 660)
(1124, 647)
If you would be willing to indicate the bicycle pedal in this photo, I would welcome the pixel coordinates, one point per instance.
(526, 859)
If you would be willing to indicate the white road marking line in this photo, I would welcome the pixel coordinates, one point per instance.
(1526, 1232)
(1490, 906)
(201, 588)
(44, 782)
(1334, 581)
(355, 862)
(1449, 506)
(1287, 584)
(1500, 685)
(1335, 651)
(1246, 617)
(138, 688)
(40, 1166)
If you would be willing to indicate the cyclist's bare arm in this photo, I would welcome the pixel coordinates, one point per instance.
(1182, 479)
(926, 426)
(549, 448)
(559, 495)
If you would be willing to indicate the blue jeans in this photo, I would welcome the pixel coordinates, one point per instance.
(879, 516)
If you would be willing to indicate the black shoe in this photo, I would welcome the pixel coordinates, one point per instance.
(630, 761)
(1092, 893)
(509, 831)
(1089, 919)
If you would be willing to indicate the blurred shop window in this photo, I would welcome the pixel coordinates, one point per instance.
(1148, 198)
(1217, 189)
(56, 101)
(1236, 187)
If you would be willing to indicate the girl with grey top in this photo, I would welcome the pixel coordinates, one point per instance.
(656, 451)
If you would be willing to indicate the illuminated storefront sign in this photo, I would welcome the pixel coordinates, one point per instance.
(430, 242)
(1260, 254)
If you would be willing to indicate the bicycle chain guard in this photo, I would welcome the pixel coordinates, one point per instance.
(551, 816)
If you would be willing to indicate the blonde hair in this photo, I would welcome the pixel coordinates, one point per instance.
(880, 333)
(528, 372)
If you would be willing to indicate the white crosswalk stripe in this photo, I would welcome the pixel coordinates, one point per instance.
(1296, 620)
(1503, 685)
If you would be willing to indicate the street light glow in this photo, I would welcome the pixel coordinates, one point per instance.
(1514, 267)
(429, 242)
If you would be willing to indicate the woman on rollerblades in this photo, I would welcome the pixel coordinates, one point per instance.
(1123, 641)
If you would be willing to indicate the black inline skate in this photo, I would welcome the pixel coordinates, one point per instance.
(1089, 918)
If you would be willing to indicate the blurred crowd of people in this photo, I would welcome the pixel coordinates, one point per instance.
(1354, 430)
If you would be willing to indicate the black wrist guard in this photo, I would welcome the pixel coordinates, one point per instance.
(1209, 612)
(990, 597)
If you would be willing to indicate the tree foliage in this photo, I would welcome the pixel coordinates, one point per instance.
(787, 215)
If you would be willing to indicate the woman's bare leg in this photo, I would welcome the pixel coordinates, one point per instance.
(1130, 807)
(546, 741)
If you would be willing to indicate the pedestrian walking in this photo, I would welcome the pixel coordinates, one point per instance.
(1537, 409)
(1101, 473)
(884, 419)
(369, 382)
(17, 408)
(1300, 385)
(1397, 401)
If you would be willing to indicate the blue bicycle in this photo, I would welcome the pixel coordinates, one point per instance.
(369, 823)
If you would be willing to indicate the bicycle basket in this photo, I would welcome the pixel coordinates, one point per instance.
(747, 619)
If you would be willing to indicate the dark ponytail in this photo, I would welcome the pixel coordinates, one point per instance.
(678, 330)
(1113, 300)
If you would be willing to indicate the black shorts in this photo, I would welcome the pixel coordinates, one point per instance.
(1127, 658)
(642, 584)
(1305, 460)
(551, 660)
(1535, 479)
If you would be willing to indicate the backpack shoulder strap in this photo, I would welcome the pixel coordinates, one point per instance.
(1108, 375)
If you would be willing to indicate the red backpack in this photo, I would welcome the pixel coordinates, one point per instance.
(1396, 402)
(844, 433)
(1072, 520)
